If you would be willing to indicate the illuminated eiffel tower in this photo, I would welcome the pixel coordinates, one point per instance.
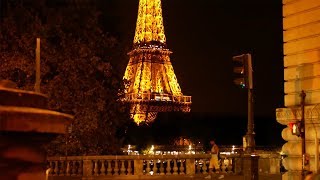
(153, 86)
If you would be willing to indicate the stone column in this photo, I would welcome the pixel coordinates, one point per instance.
(250, 167)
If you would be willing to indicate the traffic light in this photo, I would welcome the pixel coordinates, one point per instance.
(243, 70)
(295, 128)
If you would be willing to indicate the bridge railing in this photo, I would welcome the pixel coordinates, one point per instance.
(136, 165)
(154, 165)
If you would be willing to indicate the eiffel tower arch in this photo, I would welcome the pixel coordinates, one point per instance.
(152, 84)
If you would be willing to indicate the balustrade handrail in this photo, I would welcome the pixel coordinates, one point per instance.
(130, 157)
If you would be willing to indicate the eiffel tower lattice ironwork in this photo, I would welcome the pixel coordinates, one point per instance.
(152, 84)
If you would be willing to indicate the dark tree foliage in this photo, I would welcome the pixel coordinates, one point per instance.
(77, 73)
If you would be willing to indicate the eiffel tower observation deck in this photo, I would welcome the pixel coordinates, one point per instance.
(152, 84)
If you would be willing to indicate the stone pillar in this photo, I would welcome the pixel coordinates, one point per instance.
(250, 167)
(190, 167)
(274, 165)
(87, 167)
(138, 167)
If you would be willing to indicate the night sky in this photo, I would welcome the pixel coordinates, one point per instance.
(204, 35)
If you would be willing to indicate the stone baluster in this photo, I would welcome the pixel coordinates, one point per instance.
(175, 166)
(79, 172)
(96, 169)
(109, 168)
(129, 168)
(73, 168)
(161, 167)
(50, 168)
(51, 165)
(229, 167)
(148, 169)
(79, 168)
(122, 167)
(68, 168)
(205, 167)
(223, 165)
(170, 162)
(198, 167)
(181, 167)
(103, 168)
(116, 167)
(56, 168)
(62, 169)
(156, 168)
(165, 167)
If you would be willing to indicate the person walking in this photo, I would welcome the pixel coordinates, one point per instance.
(214, 161)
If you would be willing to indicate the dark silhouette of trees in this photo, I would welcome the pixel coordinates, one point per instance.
(78, 72)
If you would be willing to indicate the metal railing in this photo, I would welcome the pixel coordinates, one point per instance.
(157, 97)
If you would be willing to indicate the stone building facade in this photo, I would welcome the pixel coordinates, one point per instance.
(301, 37)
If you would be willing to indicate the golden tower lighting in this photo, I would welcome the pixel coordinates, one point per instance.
(153, 86)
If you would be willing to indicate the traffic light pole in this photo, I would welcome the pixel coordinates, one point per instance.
(246, 81)
(250, 129)
(250, 159)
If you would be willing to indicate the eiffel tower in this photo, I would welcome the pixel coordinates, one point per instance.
(152, 85)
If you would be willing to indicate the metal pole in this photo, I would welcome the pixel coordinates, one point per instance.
(250, 128)
(303, 139)
(250, 132)
(37, 84)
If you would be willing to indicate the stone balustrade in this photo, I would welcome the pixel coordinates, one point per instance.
(136, 165)
(144, 166)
